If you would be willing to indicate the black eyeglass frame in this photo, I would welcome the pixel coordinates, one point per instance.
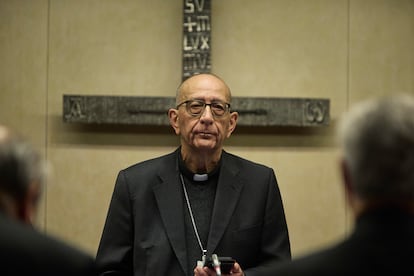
(204, 104)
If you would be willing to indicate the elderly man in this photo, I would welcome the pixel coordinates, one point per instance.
(196, 202)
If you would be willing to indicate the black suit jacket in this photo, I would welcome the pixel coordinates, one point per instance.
(144, 229)
(382, 243)
(25, 251)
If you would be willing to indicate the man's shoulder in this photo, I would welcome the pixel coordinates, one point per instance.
(322, 262)
(153, 163)
(242, 161)
(38, 251)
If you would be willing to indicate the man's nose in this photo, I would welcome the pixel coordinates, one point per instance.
(207, 114)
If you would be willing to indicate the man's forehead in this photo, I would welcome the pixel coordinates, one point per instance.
(207, 86)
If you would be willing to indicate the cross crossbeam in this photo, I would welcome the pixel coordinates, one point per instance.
(153, 110)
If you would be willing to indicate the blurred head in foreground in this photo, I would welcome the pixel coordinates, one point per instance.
(377, 139)
(22, 172)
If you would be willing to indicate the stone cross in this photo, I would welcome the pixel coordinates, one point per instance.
(254, 111)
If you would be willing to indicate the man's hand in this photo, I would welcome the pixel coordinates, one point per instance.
(205, 271)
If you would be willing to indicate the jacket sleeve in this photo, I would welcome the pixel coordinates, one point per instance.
(275, 234)
(275, 237)
(114, 256)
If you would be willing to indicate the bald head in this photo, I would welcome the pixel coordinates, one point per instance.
(203, 81)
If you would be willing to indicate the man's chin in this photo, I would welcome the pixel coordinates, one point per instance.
(205, 144)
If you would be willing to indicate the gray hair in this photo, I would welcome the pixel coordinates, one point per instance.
(377, 137)
(20, 165)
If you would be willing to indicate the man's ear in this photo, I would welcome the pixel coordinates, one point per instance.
(345, 173)
(27, 208)
(173, 117)
(232, 124)
(347, 181)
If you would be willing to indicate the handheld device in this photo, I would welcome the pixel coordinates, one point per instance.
(226, 264)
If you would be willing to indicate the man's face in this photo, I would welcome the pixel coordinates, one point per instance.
(206, 131)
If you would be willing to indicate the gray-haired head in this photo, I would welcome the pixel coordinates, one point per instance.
(20, 165)
(377, 137)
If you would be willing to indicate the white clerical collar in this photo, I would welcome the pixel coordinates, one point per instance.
(200, 177)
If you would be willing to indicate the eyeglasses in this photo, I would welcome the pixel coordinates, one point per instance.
(197, 107)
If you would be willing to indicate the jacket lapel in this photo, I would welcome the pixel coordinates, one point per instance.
(227, 195)
(169, 197)
(170, 202)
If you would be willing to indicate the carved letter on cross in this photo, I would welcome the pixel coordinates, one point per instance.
(196, 37)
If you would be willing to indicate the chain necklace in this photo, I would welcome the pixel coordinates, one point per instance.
(203, 251)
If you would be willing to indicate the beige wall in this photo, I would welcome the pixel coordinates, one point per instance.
(344, 50)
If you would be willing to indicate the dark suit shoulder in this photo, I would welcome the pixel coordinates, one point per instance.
(243, 163)
(149, 165)
(26, 251)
